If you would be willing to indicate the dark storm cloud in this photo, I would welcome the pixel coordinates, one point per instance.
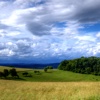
(37, 28)
(83, 11)
(88, 12)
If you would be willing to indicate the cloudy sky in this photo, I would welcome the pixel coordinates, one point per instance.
(48, 31)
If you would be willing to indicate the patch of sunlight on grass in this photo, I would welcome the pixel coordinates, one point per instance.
(17, 90)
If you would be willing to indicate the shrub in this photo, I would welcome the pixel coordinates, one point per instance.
(25, 73)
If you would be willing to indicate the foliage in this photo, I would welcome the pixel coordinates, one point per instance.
(6, 72)
(48, 68)
(84, 65)
(13, 72)
(45, 69)
(2, 74)
(54, 76)
(25, 73)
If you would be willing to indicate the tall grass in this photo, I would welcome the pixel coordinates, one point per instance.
(19, 90)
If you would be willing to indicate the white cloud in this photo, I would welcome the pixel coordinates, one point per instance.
(2, 4)
(6, 52)
(98, 35)
(50, 28)
(86, 38)
(42, 17)
(13, 33)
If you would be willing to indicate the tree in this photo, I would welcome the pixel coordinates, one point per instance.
(50, 67)
(45, 69)
(2, 75)
(90, 65)
(88, 70)
(6, 72)
(62, 65)
(13, 72)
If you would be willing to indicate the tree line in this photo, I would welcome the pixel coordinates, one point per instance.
(7, 72)
(84, 65)
(12, 72)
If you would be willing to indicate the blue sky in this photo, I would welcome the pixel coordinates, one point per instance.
(48, 31)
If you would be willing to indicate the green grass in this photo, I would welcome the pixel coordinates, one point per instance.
(55, 76)
(53, 85)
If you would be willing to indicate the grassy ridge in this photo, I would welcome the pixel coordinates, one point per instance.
(55, 76)
(17, 90)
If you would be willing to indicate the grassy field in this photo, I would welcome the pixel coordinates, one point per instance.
(19, 90)
(54, 76)
(53, 85)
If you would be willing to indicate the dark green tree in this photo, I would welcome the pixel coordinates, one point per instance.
(6, 72)
(45, 69)
(88, 65)
(13, 73)
(88, 70)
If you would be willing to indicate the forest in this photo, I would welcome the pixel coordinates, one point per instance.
(84, 65)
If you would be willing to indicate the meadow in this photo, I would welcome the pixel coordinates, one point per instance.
(52, 85)
(19, 90)
(53, 75)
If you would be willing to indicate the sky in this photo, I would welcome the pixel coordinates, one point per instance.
(48, 31)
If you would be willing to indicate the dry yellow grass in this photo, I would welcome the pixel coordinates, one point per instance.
(18, 90)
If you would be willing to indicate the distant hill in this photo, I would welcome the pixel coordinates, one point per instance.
(33, 66)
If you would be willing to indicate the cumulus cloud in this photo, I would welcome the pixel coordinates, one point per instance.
(49, 28)
(37, 28)
(98, 35)
(82, 11)
(45, 15)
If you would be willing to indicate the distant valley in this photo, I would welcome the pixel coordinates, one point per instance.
(32, 65)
